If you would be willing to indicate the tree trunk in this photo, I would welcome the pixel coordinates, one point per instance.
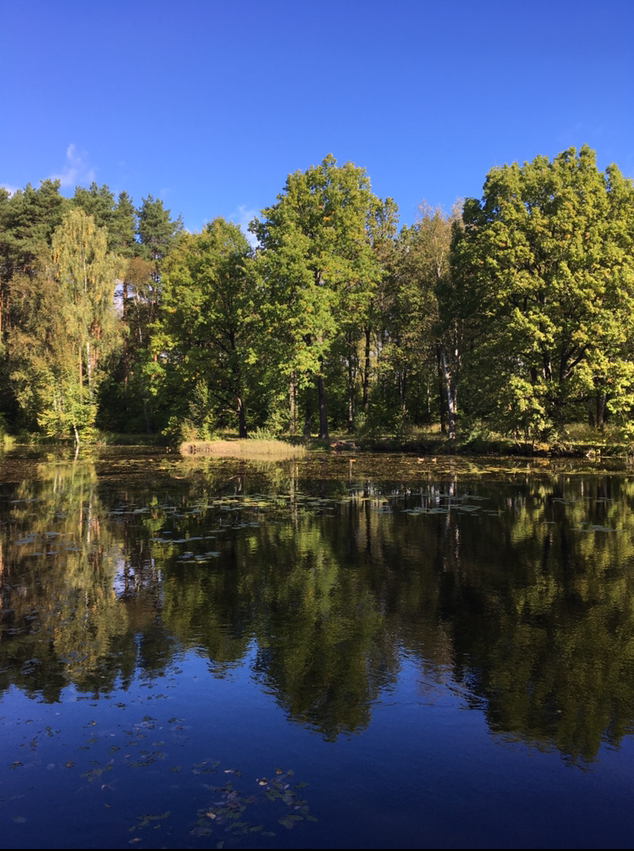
(451, 394)
(89, 370)
(601, 402)
(323, 409)
(126, 349)
(146, 407)
(441, 394)
(351, 389)
(366, 370)
(242, 419)
(292, 393)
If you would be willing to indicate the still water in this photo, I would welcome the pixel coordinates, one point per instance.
(372, 652)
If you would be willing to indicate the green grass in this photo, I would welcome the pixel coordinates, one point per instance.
(249, 448)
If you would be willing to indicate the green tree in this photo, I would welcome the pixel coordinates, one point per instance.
(27, 221)
(123, 227)
(382, 229)
(98, 202)
(318, 270)
(71, 325)
(157, 233)
(431, 252)
(543, 272)
(144, 237)
(206, 339)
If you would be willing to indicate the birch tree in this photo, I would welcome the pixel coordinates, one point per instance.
(72, 326)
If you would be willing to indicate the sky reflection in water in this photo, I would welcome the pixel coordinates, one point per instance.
(443, 654)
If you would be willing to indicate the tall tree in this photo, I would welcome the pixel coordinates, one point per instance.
(545, 264)
(157, 232)
(123, 227)
(27, 221)
(431, 246)
(70, 326)
(98, 202)
(317, 266)
(382, 228)
(206, 337)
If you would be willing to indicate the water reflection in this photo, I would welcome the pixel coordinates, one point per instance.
(517, 583)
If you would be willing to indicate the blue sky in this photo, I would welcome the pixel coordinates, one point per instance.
(209, 104)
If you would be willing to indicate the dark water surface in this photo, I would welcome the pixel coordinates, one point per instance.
(333, 652)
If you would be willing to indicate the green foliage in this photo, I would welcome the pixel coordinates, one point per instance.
(206, 339)
(68, 326)
(98, 202)
(157, 231)
(545, 284)
(317, 272)
(119, 219)
(516, 315)
(27, 221)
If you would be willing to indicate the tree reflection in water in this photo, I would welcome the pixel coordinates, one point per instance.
(516, 584)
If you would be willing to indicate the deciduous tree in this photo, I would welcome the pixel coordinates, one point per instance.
(206, 339)
(70, 326)
(545, 265)
(317, 267)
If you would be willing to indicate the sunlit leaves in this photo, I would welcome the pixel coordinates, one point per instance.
(58, 352)
(546, 284)
(208, 336)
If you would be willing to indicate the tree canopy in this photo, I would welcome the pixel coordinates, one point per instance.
(512, 314)
(544, 262)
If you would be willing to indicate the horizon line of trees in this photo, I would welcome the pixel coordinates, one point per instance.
(513, 313)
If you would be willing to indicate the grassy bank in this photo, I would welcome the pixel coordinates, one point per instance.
(575, 441)
(275, 450)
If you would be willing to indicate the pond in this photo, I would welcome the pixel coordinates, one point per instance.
(379, 651)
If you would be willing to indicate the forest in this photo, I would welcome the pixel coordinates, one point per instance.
(511, 315)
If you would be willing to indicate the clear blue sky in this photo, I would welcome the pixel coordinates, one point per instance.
(209, 104)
